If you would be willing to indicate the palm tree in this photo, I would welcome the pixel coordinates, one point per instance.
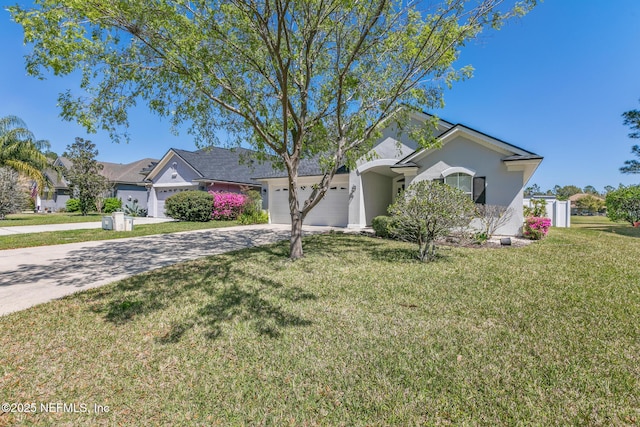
(20, 150)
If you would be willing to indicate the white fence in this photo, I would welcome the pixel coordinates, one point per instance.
(558, 210)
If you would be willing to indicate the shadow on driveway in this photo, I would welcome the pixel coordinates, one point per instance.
(127, 257)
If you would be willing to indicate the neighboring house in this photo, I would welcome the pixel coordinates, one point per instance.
(127, 183)
(489, 170)
(574, 208)
(214, 168)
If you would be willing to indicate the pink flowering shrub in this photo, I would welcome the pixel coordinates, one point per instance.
(535, 227)
(227, 206)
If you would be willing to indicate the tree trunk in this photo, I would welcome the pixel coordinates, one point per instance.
(295, 243)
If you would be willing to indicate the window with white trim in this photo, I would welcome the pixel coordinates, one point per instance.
(461, 181)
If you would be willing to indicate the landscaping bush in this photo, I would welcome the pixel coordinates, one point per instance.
(257, 217)
(535, 228)
(623, 204)
(227, 206)
(538, 208)
(112, 204)
(427, 211)
(190, 206)
(133, 209)
(73, 205)
(12, 197)
(382, 225)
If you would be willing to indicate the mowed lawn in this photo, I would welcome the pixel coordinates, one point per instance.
(14, 241)
(49, 218)
(356, 333)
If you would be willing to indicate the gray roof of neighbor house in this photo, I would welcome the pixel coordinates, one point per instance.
(128, 173)
(237, 165)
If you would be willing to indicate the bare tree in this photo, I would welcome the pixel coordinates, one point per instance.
(492, 217)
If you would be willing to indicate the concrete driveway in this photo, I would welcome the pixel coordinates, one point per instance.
(35, 275)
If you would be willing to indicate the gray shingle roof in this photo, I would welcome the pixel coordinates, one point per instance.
(237, 165)
(129, 173)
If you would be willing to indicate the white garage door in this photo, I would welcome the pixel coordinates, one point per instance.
(332, 210)
(162, 194)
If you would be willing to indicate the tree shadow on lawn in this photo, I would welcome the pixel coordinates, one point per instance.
(224, 289)
(215, 290)
(613, 228)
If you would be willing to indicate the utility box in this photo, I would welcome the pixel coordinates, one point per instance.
(118, 221)
(107, 223)
(128, 223)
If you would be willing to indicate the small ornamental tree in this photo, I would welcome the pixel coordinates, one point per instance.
(85, 180)
(623, 204)
(227, 206)
(12, 197)
(428, 211)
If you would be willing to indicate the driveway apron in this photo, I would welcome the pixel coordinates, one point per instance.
(33, 276)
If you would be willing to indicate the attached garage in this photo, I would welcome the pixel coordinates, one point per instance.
(333, 209)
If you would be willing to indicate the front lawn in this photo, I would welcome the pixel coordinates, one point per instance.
(48, 218)
(356, 333)
(14, 241)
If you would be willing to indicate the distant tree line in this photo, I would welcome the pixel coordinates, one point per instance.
(564, 192)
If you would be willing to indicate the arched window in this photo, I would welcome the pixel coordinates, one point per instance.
(461, 181)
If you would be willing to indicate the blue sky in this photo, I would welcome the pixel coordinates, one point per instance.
(555, 82)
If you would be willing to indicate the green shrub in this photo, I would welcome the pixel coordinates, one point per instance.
(256, 217)
(538, 208)
(253, 203)
(193, 206)
(73, 205)
(623, 204)
(382, 225)
(428, 211)
(112, 204)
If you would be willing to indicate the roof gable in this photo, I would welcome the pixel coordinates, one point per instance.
(219, 164)
(510, 151)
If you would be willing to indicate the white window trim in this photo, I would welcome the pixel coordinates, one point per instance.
(458, 169)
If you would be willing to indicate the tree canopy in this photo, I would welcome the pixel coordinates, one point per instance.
(294, 79)
(85, 180)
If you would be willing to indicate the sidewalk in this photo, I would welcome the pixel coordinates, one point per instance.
(24, 229)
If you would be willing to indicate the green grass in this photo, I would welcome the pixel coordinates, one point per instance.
(603, 224)
(52, 218)
(15, 241)
(356, 333)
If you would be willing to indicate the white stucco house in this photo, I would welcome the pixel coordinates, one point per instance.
(490, 170)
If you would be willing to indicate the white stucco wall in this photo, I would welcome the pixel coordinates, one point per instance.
(183, 173)
(503, 187)
(377, 191)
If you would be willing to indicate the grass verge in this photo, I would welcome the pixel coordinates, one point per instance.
(50, 218)
(356, 333)
(15, 241)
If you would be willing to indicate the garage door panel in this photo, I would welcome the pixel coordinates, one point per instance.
(332, 209)
(162, 194)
